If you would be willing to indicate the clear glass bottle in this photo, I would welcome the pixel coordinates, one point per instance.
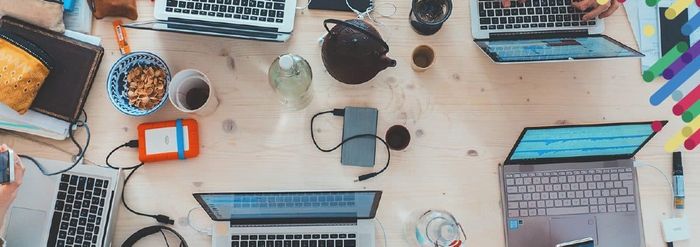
(290, 75)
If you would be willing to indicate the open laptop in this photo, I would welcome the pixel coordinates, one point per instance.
(279, 219)
(76, 208)
(268, 20)
(567, 183)
(541, 31)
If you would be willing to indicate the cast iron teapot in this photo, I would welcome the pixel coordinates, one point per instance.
(353, 51)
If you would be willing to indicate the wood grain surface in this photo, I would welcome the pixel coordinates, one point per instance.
(464, 114)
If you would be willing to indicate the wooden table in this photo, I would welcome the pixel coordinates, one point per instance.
(465, 113)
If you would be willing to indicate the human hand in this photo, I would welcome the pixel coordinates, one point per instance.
(597, 10)
(507, 4)
(8, 192)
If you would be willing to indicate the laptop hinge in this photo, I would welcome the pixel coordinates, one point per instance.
(539, 34)
(297, 222)
(223, 25)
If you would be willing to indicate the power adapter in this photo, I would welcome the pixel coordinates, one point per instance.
(675, 229)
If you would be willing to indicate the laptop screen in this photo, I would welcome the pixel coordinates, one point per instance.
(552, 49)
(289, 206)
(582, 142)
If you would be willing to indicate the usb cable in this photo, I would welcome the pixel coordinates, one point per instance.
(341, 113)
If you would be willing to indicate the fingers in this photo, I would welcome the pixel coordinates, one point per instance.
(614, 5)
(19, 174)
(584, 5)
(596, 12)
(506, 3)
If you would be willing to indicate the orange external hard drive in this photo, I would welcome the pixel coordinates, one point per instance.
(169, 140)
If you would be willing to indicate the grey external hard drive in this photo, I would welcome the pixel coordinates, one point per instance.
(360, 151)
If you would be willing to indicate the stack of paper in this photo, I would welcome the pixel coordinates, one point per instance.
(79, 19)
(33, 123)
(36, 123)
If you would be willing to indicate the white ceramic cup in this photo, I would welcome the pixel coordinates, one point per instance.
(182, 83)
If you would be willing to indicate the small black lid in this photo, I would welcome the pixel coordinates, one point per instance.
(398, 137)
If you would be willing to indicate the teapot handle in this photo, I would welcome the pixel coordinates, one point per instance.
(359, 29)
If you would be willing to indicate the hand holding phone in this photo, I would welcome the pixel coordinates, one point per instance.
(8, 190)
(7, 166)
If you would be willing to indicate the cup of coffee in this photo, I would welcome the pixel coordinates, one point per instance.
(423, 57)
(190, 91)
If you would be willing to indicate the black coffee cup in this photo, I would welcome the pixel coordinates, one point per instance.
(427, 16)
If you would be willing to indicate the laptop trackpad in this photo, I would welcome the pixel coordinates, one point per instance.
(22, 227)
(569, 228)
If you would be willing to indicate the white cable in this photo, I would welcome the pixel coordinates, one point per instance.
(383, 231)
(670, 185)
(189, 222)
(308, 2)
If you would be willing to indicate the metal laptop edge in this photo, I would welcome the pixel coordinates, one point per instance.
(505, 167)
(485, 35)
(223, 229)
(208, 26)
(110, 213)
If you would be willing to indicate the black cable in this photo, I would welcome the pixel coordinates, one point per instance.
(81, 149)
(341, 112)
(131, 144)
(134, 144)
(164, 238)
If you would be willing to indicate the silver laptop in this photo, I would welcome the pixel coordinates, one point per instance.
(285, 219)
(541, 31)
(567, 183)
(76, 208)
(268, 20)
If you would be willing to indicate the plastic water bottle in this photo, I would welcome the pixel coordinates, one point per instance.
(290, 76)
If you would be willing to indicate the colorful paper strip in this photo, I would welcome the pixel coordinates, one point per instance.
(687, 101)
(692, 112)
(666, 60)
(691, 25)
(673, 84)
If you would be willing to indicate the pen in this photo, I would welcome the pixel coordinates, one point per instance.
(678, 186)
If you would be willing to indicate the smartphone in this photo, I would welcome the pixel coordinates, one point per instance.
(670, 30)
(339, 5)
(360, 151)
(7, 167)
(586, 242)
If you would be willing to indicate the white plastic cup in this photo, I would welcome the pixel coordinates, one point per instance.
(182, 83)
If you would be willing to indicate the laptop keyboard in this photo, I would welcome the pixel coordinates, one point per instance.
(531, 14)
(297, 240)
(78, 212)
(254, 10)
(570, 192)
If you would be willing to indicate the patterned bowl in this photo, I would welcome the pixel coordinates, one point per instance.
(117, 84)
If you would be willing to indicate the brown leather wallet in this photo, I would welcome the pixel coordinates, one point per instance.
(115, 8)
(66, 89)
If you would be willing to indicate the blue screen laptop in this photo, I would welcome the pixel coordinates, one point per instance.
(567, 183)
(533, 48)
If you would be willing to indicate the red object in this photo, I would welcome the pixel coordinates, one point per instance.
(697, 2)
(692, 141)
(192, 136)
(623, 1)
(687, 101)
(656, 126)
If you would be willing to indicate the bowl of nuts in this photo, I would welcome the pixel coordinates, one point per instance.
(137, 84)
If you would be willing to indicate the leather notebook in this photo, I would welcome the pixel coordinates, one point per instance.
(75, 64)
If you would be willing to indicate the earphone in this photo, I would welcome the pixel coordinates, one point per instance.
(138, 235)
